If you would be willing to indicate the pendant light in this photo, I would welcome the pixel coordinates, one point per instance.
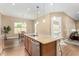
(36, 23)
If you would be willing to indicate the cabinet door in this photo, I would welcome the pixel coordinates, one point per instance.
(35, 48)
(0, 24)
(30, 46)
(48, 49)
(26, 43)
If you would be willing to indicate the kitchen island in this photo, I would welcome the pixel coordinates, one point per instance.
(40, 45)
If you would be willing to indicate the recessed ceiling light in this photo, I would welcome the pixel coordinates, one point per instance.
(13, 4)
(51, 4)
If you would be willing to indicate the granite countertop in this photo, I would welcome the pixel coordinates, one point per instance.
(44, 39)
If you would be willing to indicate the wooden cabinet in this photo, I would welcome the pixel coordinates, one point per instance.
(35, 48)
(28, 45)
(48, 49)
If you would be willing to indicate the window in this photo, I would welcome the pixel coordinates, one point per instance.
(19, 26)
(56, 29)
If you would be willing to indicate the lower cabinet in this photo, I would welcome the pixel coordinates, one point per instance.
(29, 46)
(26, 43)
(48, 49)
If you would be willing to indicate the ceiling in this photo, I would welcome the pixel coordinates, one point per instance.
(29, 10)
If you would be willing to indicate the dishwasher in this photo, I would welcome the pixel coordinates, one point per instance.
(35, 48)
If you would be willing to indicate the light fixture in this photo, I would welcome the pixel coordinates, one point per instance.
(43, 21)
(37, 15)
(38, 12)
(36, 24)
(13, 4)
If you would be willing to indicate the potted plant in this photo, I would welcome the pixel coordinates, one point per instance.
(6, 30)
